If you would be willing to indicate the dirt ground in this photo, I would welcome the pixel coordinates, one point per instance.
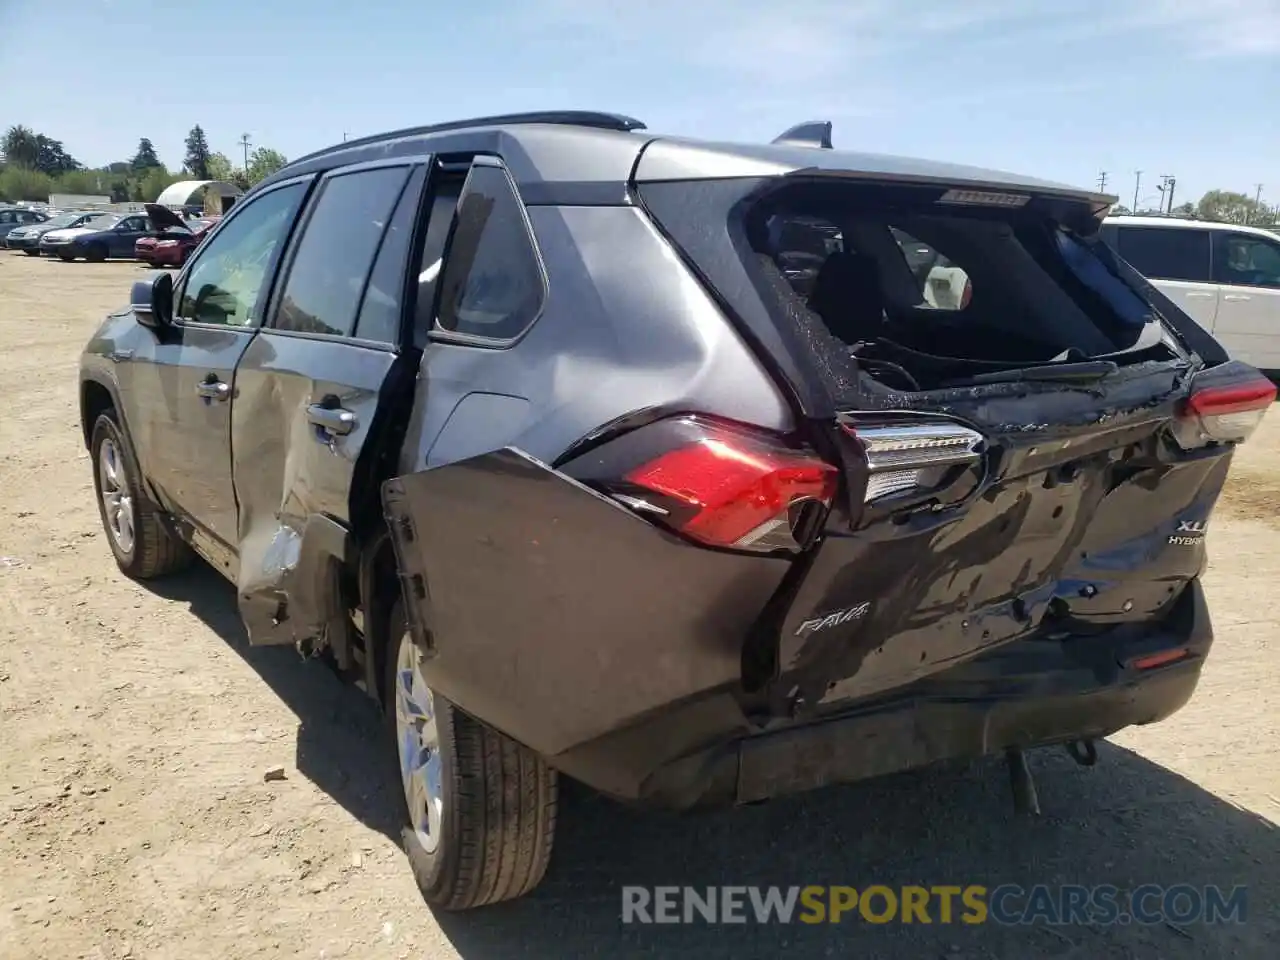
(136, 726)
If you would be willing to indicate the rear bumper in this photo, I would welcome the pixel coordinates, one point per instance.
(1029, 693)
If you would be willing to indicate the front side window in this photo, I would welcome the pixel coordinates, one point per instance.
(337, 248)
(491, 285)
(1167, 253)
(1246, 260)
(226, 279)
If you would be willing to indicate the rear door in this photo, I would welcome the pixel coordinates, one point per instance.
(1247, 269)
(308, 407)
(1177, 260)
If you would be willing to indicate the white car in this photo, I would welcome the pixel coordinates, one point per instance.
(1226, 277)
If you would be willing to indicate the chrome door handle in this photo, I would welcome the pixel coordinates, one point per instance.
(213, 390)
(1235, 297)
(333, 420)
(1198, 295)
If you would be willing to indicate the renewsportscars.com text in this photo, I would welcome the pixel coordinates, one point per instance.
(1007, 904)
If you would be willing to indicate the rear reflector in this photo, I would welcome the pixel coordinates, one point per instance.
(1153, 660)
(733, 489)
(1226, 413)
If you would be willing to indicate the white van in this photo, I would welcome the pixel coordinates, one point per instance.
(1226, 277)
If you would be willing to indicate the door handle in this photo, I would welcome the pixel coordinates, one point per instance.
(333, 420)
(1236, 297)
(213, 390)
(1199, 295)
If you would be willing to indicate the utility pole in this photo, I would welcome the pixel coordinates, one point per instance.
(1257, 202)
(344, 136)
(1102, 181)
(1137, 182)
(246, 143)
(1166, 193)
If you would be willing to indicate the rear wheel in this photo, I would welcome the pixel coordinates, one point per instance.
(68, 257)
(480, 809)
(32, 253)
(96, 253)
(142, 545)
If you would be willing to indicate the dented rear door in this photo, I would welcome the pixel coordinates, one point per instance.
(311, 404)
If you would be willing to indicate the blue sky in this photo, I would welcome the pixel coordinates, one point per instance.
(1058, 89)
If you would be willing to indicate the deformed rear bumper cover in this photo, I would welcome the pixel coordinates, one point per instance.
(1029, 693)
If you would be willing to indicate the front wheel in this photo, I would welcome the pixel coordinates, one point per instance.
(96, 253)
(142, 545)
(66, 257)
(32, 253)
(480, 809)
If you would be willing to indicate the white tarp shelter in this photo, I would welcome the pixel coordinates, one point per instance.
(215, 192)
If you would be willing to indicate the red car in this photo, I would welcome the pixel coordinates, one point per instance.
(176, 241)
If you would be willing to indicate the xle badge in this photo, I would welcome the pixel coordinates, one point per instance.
(834, 619)
(1190, 533)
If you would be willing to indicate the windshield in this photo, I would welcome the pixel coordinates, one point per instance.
(63, 220)
(104, 221)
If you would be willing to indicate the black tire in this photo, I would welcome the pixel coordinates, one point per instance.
(32, 253)
(499, 806)
(153, 552)
(96, 253)
(66, 257)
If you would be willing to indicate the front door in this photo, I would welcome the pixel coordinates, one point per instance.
(218, 305)
(312, 390)
(1247, 268)
(125, 234)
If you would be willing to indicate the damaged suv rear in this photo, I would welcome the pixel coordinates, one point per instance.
(701, 473)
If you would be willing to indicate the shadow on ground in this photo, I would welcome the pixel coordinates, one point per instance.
(1125, 822)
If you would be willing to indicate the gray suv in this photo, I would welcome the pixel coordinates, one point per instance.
(701, 473)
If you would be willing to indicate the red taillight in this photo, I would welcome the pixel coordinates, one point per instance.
(1227, 413)
(736, 489)
(1153, 660)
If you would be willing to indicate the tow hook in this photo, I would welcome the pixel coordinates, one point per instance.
(1025, 800)
(1083, 752)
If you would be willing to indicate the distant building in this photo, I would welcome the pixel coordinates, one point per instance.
(78, 201)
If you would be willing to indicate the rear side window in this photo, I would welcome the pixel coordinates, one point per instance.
(491, 286)
(380, 312)
(334, 256)
(1167, 253)
(1246, 260)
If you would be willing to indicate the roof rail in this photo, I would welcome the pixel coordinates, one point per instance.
(571, 118)
(811, 133)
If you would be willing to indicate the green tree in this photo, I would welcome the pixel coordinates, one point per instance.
(153, 184)
(52, 158)
(1185, 210)
(24, 183)
(1227, 206)
(198, 156)
(263, 162)
(145, 158)
(91, 182)
(220, 168)
(21, 147)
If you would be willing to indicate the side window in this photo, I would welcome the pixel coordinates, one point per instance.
(227, 276)
(380, 311)
(7, 216)
(1167, 253)
(1245, 260)
(333, 258)
(943, 285)
(491, 285)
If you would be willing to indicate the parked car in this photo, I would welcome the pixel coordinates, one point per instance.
(110, 235)
(1224, 275)
(27, 239)
(520, 421)
(11, 218)
(178, 238)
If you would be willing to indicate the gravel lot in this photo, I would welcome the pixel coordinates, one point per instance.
(136, 725)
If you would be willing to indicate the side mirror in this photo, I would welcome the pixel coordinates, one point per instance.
(152, 300)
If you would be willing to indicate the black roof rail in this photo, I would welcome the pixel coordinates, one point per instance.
(811, 133)
(571, 118)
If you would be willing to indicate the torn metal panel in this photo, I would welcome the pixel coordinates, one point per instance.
(556, 614)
